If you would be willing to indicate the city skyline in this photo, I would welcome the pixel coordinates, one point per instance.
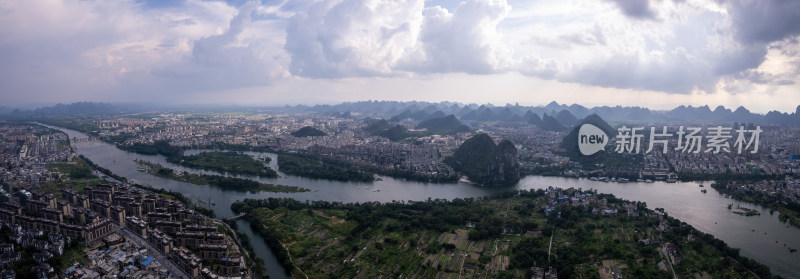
(654, 54)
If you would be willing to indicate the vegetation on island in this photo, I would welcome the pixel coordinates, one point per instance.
(441, 177)
(160, 191)
(322, 168)
(744, 211)
(788, 211)
(503, 237)
(232, 162)
(223, 182)
(238, 147)
(160, 147)
(229, 161)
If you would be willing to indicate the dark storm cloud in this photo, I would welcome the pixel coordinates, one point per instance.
(756, 25)
(677, 74)
(740, 59)
(637, 9)
(765, 21)
(176, 49)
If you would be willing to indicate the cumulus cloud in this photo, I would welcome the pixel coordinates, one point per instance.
(227, 60)
(352, 37)
(465, 40)
(672, 54)
(334, 39)
(126, 49)
(674, 72)
(537, 67)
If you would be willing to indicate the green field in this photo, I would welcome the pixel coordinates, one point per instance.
(510, 235)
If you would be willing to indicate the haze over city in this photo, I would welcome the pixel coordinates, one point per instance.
(541, 139)
(656, 54)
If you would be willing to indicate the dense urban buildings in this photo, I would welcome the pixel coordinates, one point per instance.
(121, 230)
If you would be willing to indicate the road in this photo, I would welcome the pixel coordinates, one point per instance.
(550, 248)
(156, 253)
(664, 252)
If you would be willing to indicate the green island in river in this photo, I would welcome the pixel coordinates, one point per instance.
(227, 183)
(232, 162)
(788, 210)
(228, 161)
(321, 168)
(566, 233)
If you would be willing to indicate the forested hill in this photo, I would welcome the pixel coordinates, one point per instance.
(485, 162)
(308, 131)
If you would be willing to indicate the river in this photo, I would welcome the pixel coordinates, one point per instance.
(763, 238)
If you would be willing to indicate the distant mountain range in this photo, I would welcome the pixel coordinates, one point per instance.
(553, 116)
(79, 108)
(446, 125)
(394, 111)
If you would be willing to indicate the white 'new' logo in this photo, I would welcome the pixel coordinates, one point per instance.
(591, 139)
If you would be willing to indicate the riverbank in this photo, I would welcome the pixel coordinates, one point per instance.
(707, 213)
(479, 237)
(257, 265)
(228, 183)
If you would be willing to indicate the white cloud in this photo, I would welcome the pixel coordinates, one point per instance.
(352, 37)
(223, 61)
(465, 40)
(335, 39)
(127, 50)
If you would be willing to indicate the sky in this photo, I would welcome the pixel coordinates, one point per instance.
(651, 53)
